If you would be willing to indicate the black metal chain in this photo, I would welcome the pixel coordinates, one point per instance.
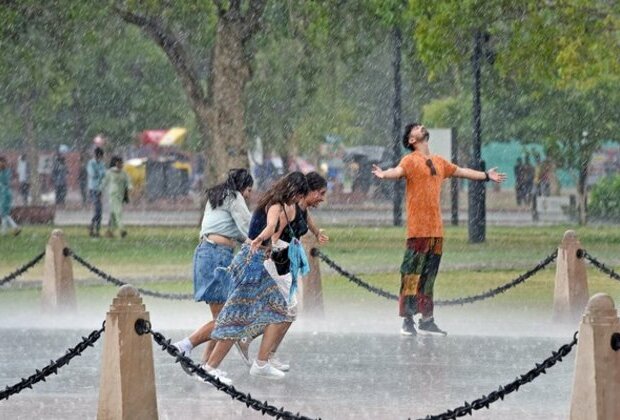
(54, 365)
(486, 400)
(609, 271)
(117, 282)
(21, 270)
(143, 327)
(458, 301)
(501, 289)
(315, 252)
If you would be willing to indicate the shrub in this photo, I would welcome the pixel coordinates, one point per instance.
(605, 201)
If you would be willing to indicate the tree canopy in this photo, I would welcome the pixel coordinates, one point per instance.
(301, 70)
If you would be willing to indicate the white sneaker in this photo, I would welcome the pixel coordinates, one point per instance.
(283, 366)
(217, 374)
(185, 353)
(182, 351)
(242, 346)
(266, 371)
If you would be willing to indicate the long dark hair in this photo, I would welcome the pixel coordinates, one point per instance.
(238, 180)
(284, 190)
(315, 181)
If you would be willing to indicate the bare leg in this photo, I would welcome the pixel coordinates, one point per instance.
(285, 329)
(221, 349)
(216, 308)
(202, 334)
(271, 335)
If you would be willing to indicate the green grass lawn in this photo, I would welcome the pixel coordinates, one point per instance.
(374, 254)
(365, 248)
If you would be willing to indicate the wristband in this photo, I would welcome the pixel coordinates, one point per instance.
(486, 176)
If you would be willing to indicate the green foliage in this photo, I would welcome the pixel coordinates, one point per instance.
(605, 199)
(569, 43)
(126, 86)
(302, 88)
(83, 78)
(452, 111)
(318, 67)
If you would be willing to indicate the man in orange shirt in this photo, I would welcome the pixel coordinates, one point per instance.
(424, 174)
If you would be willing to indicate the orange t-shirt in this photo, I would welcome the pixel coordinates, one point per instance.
(423, 191)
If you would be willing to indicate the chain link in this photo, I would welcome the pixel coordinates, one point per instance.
(264, 407)
(501, 289)
(352, 277)
(609, 271)
(22, 269)
(486, 400)
(107, 277)
(458, 301)
(54, 365)
(144, 327)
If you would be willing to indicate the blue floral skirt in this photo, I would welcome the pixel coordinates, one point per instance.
(211, 280)
(255, 300)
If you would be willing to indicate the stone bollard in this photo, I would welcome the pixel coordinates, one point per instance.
(58, 290)
(597, 364)
(127, 384)
(571, 281)
(311, 290)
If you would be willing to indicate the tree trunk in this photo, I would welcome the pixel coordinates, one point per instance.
(79, 125)
(582, 193)
(221, 117)
(231, 71)
(32, 151)
(397, 199)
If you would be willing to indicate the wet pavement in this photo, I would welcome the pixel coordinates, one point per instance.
(351, 364)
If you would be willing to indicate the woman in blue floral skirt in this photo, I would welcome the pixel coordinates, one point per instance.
(256, 305)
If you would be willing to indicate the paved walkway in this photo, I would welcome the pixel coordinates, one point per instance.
(353, 364)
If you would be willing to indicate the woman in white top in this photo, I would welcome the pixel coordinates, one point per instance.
(225, 223)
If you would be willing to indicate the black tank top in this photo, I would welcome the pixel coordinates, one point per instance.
(297, 227)
(258, 223)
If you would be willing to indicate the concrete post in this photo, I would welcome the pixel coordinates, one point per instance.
(571, 281)
(311, 290)
(127, 384)
(58, 290)
(597, 365)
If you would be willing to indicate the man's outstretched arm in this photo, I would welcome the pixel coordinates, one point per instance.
(392, 173)
(479, 175)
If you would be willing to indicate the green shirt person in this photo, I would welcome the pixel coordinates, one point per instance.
(116, 183)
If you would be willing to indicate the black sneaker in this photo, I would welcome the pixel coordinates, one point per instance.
(428, 327)
(408, 327)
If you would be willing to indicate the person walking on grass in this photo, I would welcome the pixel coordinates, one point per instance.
(95, 171)
(6, 200)
(255, 304)
(23, 177)
(117, 183)
(225, 223)
(423, 173)
(59, 177)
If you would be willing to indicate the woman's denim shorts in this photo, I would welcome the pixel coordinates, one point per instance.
(211, 279)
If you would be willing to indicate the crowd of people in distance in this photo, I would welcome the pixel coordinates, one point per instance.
(537, 179)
